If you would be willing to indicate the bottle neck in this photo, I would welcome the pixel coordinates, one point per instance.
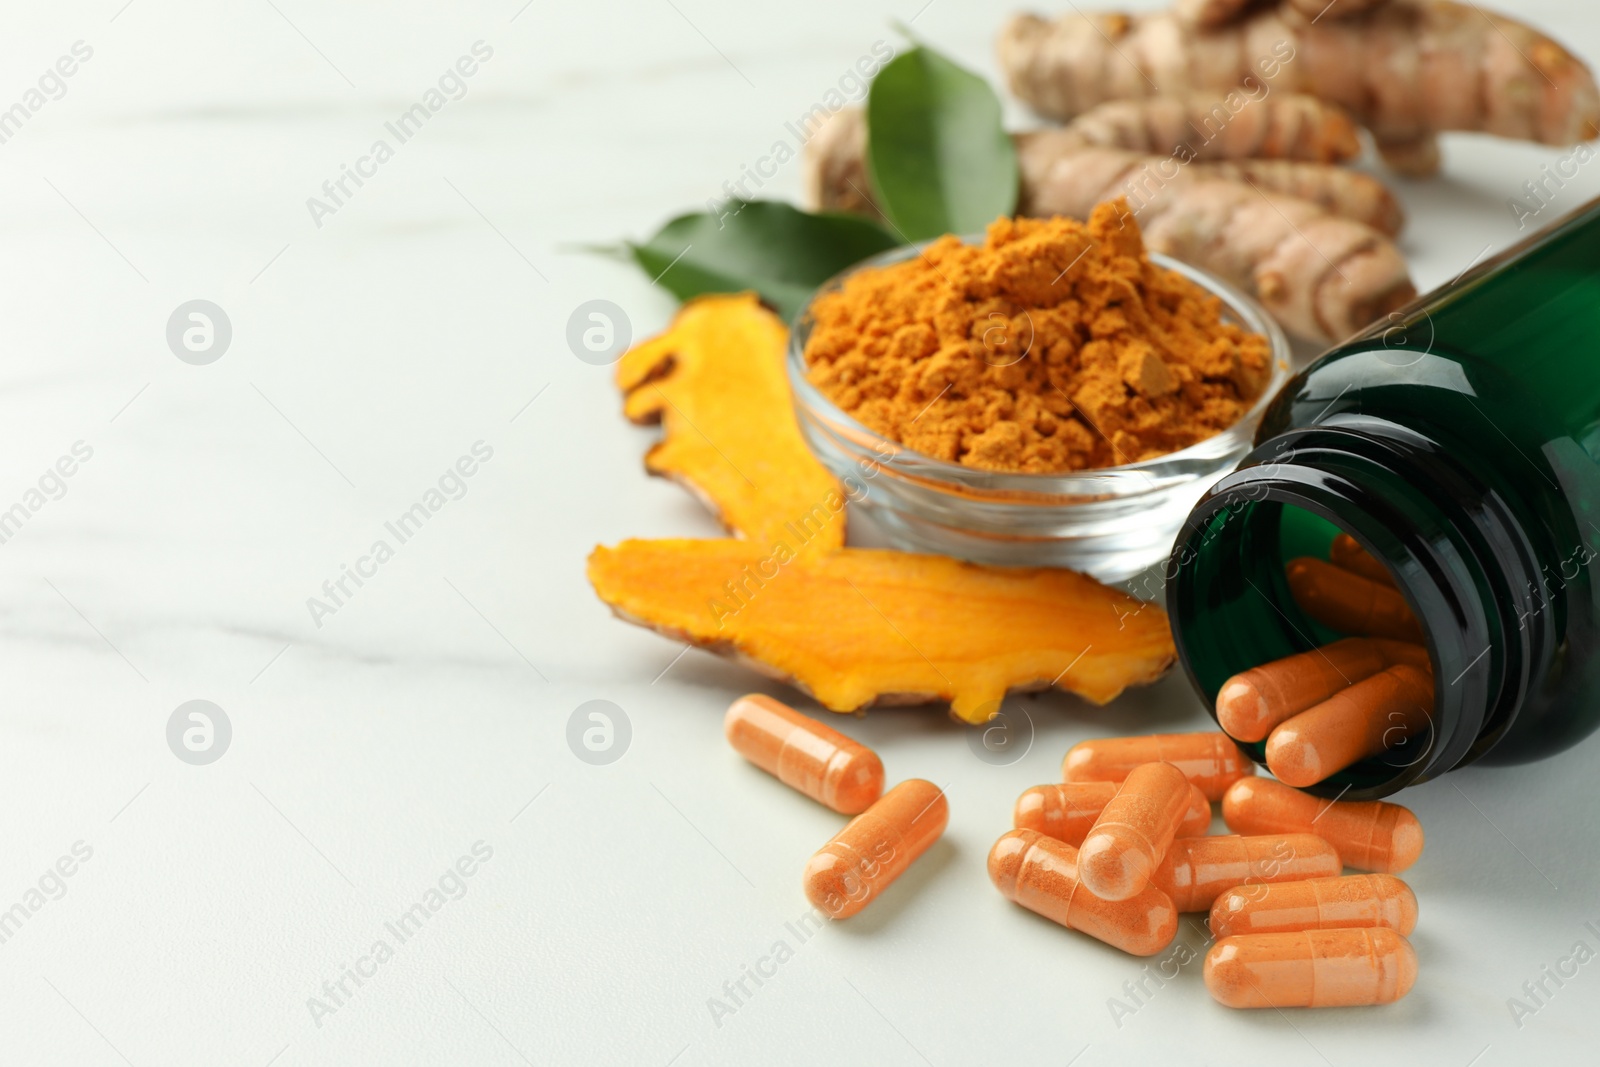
(1458, 555)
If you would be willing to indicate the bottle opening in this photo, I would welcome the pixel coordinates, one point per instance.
(1271, 581)
(1457, 446)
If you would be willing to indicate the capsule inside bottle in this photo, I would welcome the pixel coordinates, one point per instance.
(1347, 554)
(1353, 714)
(1349, 603)
(1363, 720)
(1252, 703)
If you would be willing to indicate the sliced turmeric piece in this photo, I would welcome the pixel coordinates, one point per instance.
(715, 380)
(857, 627)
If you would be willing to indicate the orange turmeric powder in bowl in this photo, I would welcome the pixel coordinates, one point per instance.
(1054, 346)
(1053, 396)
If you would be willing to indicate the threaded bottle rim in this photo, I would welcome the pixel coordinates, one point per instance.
(1458, 555)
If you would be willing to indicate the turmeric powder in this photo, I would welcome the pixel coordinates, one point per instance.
(1055, 346)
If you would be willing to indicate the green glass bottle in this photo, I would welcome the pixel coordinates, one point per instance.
(1459, 443)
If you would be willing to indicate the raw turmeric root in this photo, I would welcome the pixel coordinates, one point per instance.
(716, 381)
(836, 174)
(1415, 157)
(858, 627)
(1347, 194)
(1322, 276)
(1333, 9)
(1051, 157)
(1411, 155)
(1209, 13)
(1406, 69)
(1236, 125)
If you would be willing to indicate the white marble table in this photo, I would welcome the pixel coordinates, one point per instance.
(420, 721)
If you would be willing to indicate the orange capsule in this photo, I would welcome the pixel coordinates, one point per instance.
(1372, 835)
(1041, 874)
(1350, 603)
(1347, 554)
(1210, 760)
(1198, 870)
(1252, 702)
(1354, 901)
(1397, 653)
(1363, 720)
(1311, 969)
(804, 754)
(875, 848)
(1065, 811)
(1134, 831)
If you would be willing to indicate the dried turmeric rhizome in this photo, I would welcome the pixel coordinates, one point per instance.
(852, 627)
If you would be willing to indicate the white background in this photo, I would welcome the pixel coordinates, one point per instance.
(425, 715)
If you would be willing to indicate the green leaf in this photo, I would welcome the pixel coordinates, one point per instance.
(779, 251)
(940, 159)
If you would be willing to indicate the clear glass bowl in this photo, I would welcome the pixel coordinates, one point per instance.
(1112, 522)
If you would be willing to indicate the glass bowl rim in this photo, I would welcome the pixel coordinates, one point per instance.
(1120, 480)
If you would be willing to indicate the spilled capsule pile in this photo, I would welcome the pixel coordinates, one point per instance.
(1121, 848)
(1119, 851)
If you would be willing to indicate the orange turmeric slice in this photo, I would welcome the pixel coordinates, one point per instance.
(715, 380)
(857, 627)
